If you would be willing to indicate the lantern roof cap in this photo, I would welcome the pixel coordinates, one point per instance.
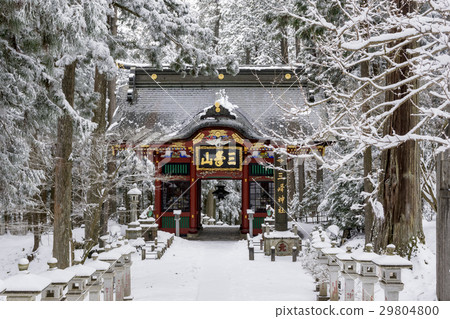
(134, 190)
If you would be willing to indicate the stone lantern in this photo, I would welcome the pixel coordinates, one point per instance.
(366, 271)
(134, 227)
(79, 284)
(348, 272)
(59, 281)
(333, 269)
(100, 267)
(134, 195)
(318, 246)
(391, 266)
(25, 286)
(323, 260)
(250, 214)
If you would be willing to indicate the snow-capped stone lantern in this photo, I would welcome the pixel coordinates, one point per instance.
(25, 286)
(97, 278)
(318, 246)
(59, 281)
(177, 214)
(250, 214)
(134, 195)
(348, 272)
(366, 271)
(79, 284)
(333, 269)
(134, 229)
(391, 266)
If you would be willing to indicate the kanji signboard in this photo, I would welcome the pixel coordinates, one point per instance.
(218, 158)
(280, 178)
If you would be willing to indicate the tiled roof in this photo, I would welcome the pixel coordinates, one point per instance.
(161, 108)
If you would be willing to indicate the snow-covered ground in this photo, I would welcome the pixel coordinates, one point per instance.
(220, 270)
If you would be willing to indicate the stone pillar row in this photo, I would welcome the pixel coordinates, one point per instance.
(361, 265)
(108, 272)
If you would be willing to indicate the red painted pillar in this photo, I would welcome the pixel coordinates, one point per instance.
(245, 197)
(157, 206)
(193, 200)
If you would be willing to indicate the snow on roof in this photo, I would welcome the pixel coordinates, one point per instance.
(134, 191)
(333, 229)
(58, 276)
(345, 256)
(111, 255)
(364, 256)
(26, 282)
(332, 251)
(392, 261)
(138, 242)
(98, 265)
(126, 249)
(281, 234)
(82, 270)
(321, 245)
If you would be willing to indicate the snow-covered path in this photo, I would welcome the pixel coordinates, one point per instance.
(218, 270)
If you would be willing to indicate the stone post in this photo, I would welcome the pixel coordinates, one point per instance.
(367, 273)
(251, 252)
(110, 257)
(120, 278)
(177, 214)
(333, 269)
(391, 266)
(294, 254)
(108, 285)
(250, 214)
(272, 253)
(97, 279)
(348, 272)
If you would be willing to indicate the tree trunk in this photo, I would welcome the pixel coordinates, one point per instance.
(284, 47)
(247, 56)
(95, 197)
(217, 26)
(443, 224)
(301, 179)
(111, 203)
(297, 44)
(367, 163)
(400, 181)
(62, 234)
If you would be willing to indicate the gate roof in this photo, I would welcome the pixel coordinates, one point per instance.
(162, 105)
